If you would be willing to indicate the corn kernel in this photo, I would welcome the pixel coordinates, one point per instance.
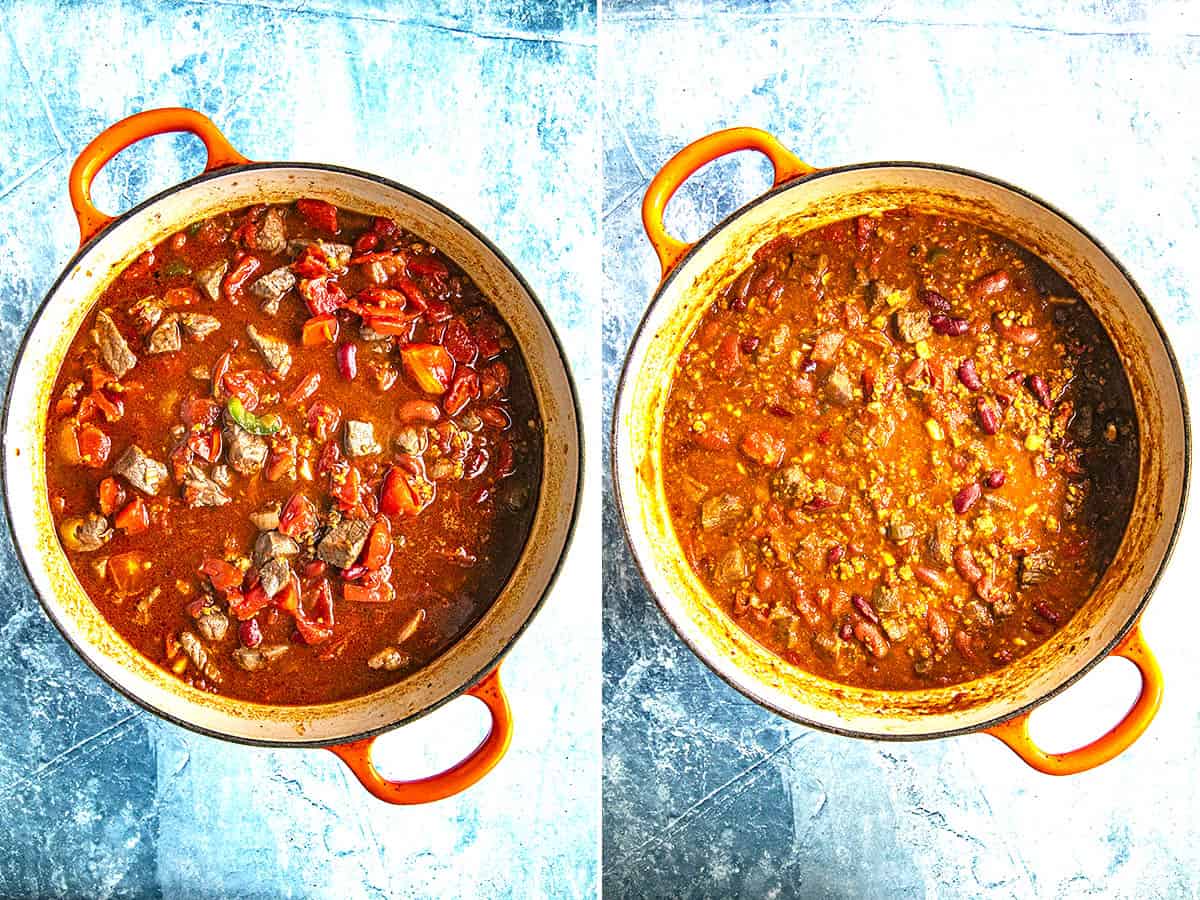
(1034, 443)
(879, 322)
(179, 665)
(935, 429)
(923, 349)
(888, 559)
(1052, 524)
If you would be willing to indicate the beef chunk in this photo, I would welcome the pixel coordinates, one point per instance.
(791, 483)
(389, 659)
(898, 530)
(272, 287)
(270, 234)
(209, 278)
(731, 567)
(144, 473)
(273, 545)
(880, 295)
(86, 534)
(885, 598)
(1034, 568)
(253, 659)
(200, 490)
(343, 542)
(839, 389)
(360, 438)
(826, 346)
(246, 452)
(273, 575)
(145, 314)
(266, 519)
(113, 349)
(412, 440)
(942, 541)
(720, 510)
(913, 325)
(194, 650)
(198, 326)
(165, 338)
(274, 350)
(213, 626)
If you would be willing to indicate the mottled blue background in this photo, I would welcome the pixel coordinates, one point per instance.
(1093, 106)
(486, 106)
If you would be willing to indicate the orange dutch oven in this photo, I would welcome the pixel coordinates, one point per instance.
(347, 728)
(803, 198)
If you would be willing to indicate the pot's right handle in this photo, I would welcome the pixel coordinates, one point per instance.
(459, 777)
(127, 132)
(694, 156)
(1015, 732)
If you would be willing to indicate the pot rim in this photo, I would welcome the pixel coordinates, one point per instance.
(93, 242)
(626, 375)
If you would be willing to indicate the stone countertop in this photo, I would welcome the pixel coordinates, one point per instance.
(484, 106)
(707, 794)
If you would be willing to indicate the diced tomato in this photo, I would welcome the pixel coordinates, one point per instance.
(319, 214)
(134, 518)
(428, 266)
(235, 282)
(404, 493)
(382, 297)
(487, 333)
(112, 408)
(345, 487)
(223, 575)
(279, 462)
(141, 266)
(99, 377)
(412, 294)
(306, 388)
(378, 548)
(311, 263)
(128, 570)
(94, 446)
(111, 495)
(248, 605)
(323, 420)
(323, 295)
(315, 569)
(429, 365)
(463, 389)
(220, 367)
(330, 456)
(459, 342)
(199, 411)
(384, 227)
(322, 605)
(243, 386)
(375, 587)
(318, 330)
(390, 321)
(366, 242)
(182, 296)
(206, 444)
(298, 517)
(245, 234)
(493, 380)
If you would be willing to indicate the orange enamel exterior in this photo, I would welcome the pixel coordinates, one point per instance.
(128, 132)
(695, 156)
(221, 154)
(357, 755)
(1015, 732)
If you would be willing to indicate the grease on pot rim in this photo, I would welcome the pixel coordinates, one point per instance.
(899, 450)
(292, 456)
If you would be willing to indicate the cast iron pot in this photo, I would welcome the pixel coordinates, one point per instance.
(803, 198)
(349, 727)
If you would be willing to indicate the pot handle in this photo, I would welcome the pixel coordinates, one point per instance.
(481, 760)
(695, 155)
(1015, 732)
(127, 132)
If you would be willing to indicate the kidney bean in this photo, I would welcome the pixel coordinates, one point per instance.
(808, 366)
(967, 497)
(1037, 626)
(968, 376)
(989, 418)
(985, 588)
(872, 638)
(846, 631)
(965, 646)
(994, 479)
(1022, 335)
(1043, 609)
(1038, 387)
(781, 411)
(496, 417)
(749, 344)
(868, 384)
(835, 554)
(825, 437)
(712, 440)
(938, 625)
(419, 411)
(929, 577)
(347, 361)
(934, 300)
(864, 607)
(990, 285)
(949, 325)
(249, 633)
(965, 565)
(763, 580)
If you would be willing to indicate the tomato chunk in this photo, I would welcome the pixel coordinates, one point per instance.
(222, 574)
(94, 446)
(134, 518)
(319, 214)
(378, 548)
(429, 365)
(298, 518)
(111, 495)
(128, 570)
(318, 330)
(404, 494)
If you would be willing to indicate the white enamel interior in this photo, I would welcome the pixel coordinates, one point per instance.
(24, 471)
(745, 664)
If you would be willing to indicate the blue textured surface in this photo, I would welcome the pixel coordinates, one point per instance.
(1093, 108)
(486, 106)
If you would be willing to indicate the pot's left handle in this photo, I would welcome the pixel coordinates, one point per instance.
(357, 755)
(127, 132)
(680, 167)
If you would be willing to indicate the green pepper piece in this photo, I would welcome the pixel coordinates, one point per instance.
(935, 253)
(176, 267)
(261, 425)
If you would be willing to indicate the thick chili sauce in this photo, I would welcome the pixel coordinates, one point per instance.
(899, 450)
(293, 454)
